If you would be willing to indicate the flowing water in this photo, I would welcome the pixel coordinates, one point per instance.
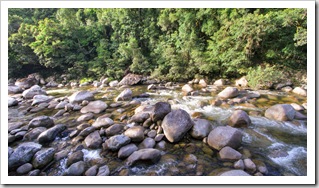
(281, 146)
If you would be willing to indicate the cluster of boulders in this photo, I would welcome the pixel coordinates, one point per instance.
(141, 138)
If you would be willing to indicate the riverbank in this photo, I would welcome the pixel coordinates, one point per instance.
(267, 146)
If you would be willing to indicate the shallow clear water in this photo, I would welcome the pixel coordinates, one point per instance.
(282, 146)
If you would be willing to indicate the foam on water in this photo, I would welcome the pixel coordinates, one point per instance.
(270, 138)
(277, 145)
(91, 154)
(302, 129)
(158, 169)
(284, 126)
(62, 167)
(247, 138)
(291, 161)
(216, 113)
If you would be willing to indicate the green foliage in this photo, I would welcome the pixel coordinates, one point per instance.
(84, 80)
(264, 76)
(170, 44)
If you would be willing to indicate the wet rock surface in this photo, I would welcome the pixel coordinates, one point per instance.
(50, 134)
(80, 96)
(176, 124)
(228, 92)
(70, 143)
(34, 90)
(95, 107)
(224, 136)
(281, 112)
(114, 143)
(130, 79)
(41, 121)
(201, 128)
(125, 95)
(43, 157)
(23, 154)
(152, 155)
(239, 118)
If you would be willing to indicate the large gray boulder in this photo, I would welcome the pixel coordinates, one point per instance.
(125, 95)
(126, 151)
(228, 92)
(34, 90)
(224, 136)
(41, 121)
(136, 133)
(201, 128)
(93, 140)
(76, 169)
(239, 118)
(113, 83)
(25, 83)
(37, 99)
(144, 109)
(12, 102)
(220, 82)
(43, 157)
(202, 83)
(13, 89)
(103, 122)
(52, 84)
(50, 134)
(147, 143)
(33, 133)
(23, 154)
(85, 132)
(114, 129)
(97, 83)
(85, 117)
(281, 112)
(242, 82)
(187, 89)
(149, 155)
(130, 79)
(61, 105)
(95, 107)
(252, 94)
(300, 91)
(176, 124)
(75, 157)
(80, 96)
(140, 117)
(114, 143)
(160, 110)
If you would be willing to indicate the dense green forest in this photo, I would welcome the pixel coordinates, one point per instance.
(168, 44)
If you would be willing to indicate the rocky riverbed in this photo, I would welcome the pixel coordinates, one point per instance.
(167, 129)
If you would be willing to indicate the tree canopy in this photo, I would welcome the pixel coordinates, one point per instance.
(172, 43)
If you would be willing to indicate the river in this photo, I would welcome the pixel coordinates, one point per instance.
(281, 146)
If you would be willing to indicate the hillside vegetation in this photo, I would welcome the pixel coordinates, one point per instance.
(168, 44)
